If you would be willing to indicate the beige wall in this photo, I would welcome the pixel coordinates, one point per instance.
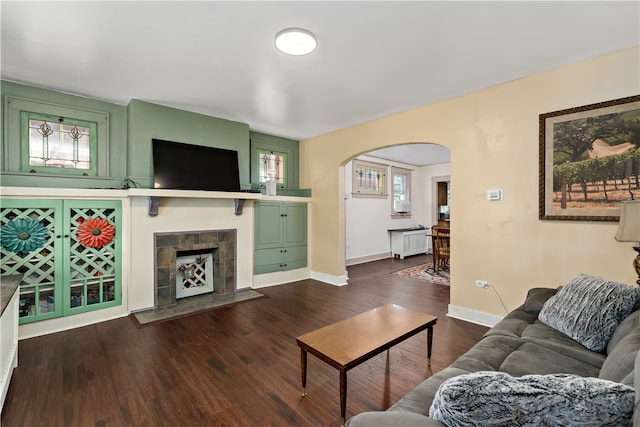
(493, 138)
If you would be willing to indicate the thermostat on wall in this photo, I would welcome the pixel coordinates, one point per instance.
(495, 194)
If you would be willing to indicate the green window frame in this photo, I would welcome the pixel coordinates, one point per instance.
(286, 149)
(272, 164)
(31, 139)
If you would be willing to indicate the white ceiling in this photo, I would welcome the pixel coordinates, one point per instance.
(373, 58)
(414, 154)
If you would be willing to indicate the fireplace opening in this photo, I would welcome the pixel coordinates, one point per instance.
(196, 261)
(195, 272)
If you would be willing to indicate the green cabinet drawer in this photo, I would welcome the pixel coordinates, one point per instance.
(295, 255)
(268, 256)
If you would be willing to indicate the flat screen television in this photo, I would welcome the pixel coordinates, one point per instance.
(183, 166)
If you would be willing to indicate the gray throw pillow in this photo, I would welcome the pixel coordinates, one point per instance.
(589, 309)
(489, 398)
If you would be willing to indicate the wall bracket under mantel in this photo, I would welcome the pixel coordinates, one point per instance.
(155, 195)
(153, 205)
(238, 205)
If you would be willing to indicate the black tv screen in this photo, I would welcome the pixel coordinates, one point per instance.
(194, 167)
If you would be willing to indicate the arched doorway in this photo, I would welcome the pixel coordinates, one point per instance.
(368, 217)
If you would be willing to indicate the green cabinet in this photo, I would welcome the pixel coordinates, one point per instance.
(68, 251)
(280, 236)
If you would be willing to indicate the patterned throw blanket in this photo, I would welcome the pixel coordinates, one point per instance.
(490, 398)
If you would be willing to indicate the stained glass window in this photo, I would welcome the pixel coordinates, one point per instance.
(272, 165)
(58, 145)
(369, 178)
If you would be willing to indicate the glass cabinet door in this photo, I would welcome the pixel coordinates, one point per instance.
(68, 251)
(92, 276)
(30, 243)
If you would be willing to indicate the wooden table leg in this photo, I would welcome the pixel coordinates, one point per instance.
(429, 343)
(435, 253)
(303, 367)
(343, 396)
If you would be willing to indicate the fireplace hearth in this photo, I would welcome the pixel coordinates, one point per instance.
(218, 246)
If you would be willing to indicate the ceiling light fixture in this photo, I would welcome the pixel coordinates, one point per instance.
(296, 41)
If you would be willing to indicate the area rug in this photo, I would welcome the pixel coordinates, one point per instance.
(192, 305)
(425, 272)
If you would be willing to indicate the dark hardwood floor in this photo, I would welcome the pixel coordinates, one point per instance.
(232, 366)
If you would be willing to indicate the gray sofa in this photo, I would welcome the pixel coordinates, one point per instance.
(518, 345)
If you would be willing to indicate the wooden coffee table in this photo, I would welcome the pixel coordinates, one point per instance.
(350, 342)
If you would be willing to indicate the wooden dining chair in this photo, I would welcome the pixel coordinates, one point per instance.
(441, 249)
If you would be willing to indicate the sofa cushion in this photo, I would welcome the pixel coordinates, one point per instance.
(391, 419)
(589, 309)
(513, 323)
(628, 326)
(620, 362)
(517, 356)
(532, 358)
(536, 297)
(525, 327)
(545, 336)
(498, 399)
(419, 399)
(488, 354)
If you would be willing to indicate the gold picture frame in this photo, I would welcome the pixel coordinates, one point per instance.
(589, 160)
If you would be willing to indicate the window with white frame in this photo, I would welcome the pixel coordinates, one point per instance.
(401, 181)
(369, 179)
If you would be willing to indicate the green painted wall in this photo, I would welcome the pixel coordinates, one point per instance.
(113, 169)
(147, 121)
(131, 129)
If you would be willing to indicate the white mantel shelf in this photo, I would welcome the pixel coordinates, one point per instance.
(150, 193)
(140, 192)
(191, 194)
(194, 194)
(53, 193)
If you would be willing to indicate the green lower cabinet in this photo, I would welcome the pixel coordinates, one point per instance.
(280, 237)
(68, 251)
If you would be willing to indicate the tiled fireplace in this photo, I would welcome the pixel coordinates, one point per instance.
(221, 244)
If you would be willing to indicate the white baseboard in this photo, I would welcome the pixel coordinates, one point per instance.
(367, 258)
(279, 277)
(59, 324)
(473, 316)
(332, 280)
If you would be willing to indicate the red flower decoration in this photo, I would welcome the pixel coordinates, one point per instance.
(95, 232)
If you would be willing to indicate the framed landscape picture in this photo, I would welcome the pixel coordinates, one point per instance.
(589, 160)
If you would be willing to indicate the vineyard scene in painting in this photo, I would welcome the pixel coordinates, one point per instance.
(596, 161)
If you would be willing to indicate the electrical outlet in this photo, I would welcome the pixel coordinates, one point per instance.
(482, 284)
